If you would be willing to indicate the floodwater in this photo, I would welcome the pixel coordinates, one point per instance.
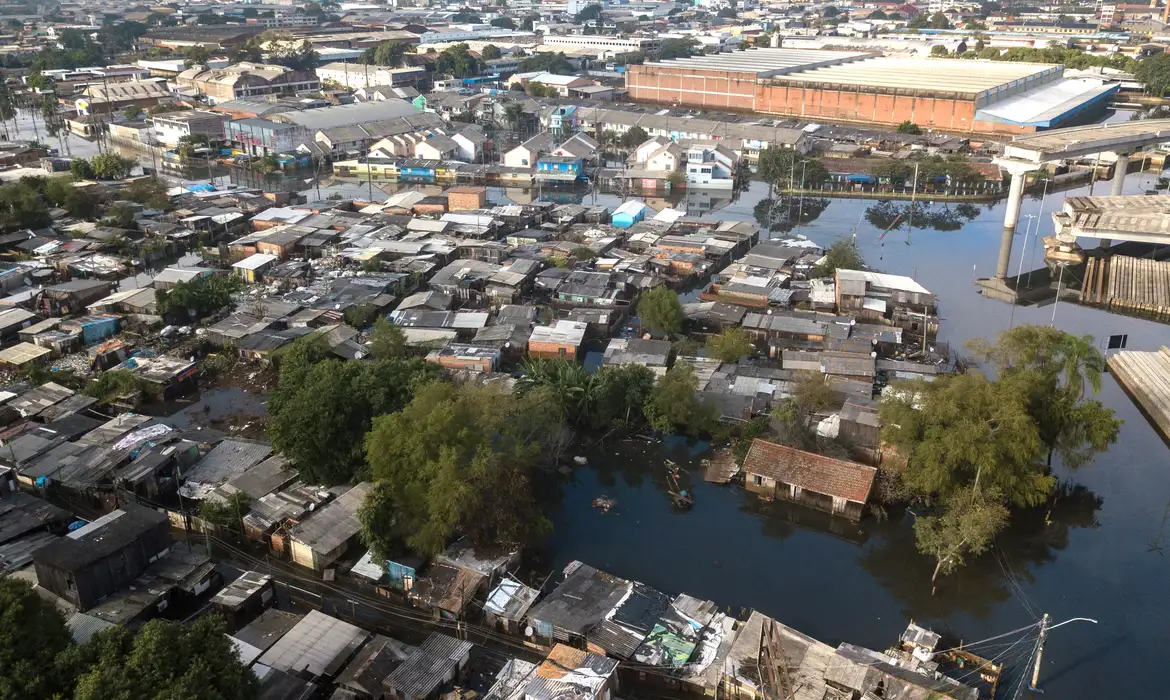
(1095, 553)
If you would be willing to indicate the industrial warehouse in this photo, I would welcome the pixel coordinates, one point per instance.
(962, 96)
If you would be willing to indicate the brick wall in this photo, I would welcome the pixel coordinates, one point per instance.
(552, 350)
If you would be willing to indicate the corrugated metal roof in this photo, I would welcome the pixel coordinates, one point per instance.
(435, 663)
(319, 645)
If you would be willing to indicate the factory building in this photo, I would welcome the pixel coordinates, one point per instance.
(960, 96)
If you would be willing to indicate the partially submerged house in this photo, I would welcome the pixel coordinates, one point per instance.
(824, 483)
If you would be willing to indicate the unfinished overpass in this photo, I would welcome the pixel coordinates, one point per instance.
(1025, 154)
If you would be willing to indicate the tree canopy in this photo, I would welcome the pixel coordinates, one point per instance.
(787, 168)
(1154, 74)
(975, 444)
(322, 408)
(457, 460)
(731, 345)
(390, 54)
(32, 635)
(660, 311)
(548, 62)
(458, 61)
(676, 405)
(842, 255)
(202, 296)
(591, 400)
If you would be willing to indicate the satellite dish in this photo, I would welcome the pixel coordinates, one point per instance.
(528, 631)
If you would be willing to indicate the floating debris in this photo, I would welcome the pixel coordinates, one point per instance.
(580, 460)
(604, 503)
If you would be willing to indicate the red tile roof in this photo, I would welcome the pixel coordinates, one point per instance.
(825, 475)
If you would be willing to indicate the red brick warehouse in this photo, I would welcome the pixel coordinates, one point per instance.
(957, 96)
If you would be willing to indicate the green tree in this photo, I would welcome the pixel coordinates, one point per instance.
(456, 460)
(786, 168)
(1154, 74)
(132, 112)
(148, 191)
(387, 341)
(677, 48)
(939, 50)
(230, 513)
(799, 413)
(842, 255)
(731, 345)
(909, 127)
(198, 298)
(32, 636)
(196, 56)
(110, 166)
(502, 23)
(675, 403)
(22, 205)
(660, 311)
(322, 408)
(120, 215)
(164, 660)
(590, 12)
(963, 432)
(634, 137)
(1055, 370)
(491, 51)
(548, 62)
(965, 526)
(458, 62)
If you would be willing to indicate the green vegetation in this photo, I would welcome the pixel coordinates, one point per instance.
(202, 296)
(610, 396)
(1154, 74)
(731, 345)
(842, 255)
(676, 405)
(491, 51)
(502, 23)
(322, 407)
(975, 445)
(387, 341)
(162, 660)
(932, 170)
(32, 637)
(635, 136)
(909, 127)
(798, 415)
(391, 54)
(458, 61)
(360, 316)
(660, 311)
(677, 48)
(548, 62)
(939, 50)
(785, 168)
(229, 514)
(457, 460)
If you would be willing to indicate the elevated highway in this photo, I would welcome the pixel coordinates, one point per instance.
(1025, 154)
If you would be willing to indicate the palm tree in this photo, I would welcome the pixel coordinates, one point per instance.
(1080, 363)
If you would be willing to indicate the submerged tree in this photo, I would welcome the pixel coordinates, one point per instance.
(457, 459)
(660, 311)
(797, 414)
(842, 255)
(966, 526)
(676, 405)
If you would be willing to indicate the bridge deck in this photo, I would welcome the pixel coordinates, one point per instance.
(1078, 141)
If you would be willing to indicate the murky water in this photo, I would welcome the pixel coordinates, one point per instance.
(1096, 554)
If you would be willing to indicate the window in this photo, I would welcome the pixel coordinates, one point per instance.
(757, 480)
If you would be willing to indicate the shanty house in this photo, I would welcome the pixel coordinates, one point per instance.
(440, 661)
(581, 602)
(324, 536)
(824, 483)
(105, 556)
(318, 646)
(561, 340)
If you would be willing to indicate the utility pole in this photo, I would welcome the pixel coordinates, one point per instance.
(1044, 630)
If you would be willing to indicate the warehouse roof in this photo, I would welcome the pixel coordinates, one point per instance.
(1049, 104)
(968, 77)
(764, 62)
(351, 114)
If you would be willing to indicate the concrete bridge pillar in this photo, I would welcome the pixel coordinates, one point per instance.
(1010, 219)
(1116, 185)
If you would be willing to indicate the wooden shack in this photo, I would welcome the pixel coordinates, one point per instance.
(832, 485)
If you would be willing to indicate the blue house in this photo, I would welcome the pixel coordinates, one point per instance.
(629, 214)
(558, 168)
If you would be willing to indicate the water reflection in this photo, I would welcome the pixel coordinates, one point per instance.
(1031, 541)
(783, 213)
(886, 215)
(781, 519)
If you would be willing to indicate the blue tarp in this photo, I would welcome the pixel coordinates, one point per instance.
(201, 187)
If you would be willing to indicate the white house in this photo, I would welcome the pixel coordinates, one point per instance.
(437, 147)
(526, 154)
(470, 142)
(711, 166)
(648, 148)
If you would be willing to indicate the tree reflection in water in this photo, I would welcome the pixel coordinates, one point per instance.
(782, 213)
(921, 215)
(1031, 541)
